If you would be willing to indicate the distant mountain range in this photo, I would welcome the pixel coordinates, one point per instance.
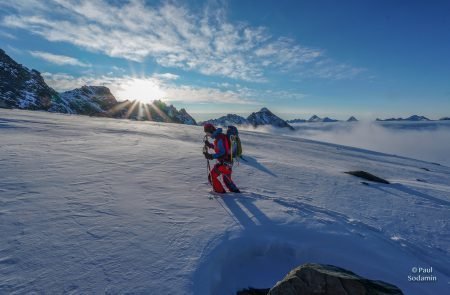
(263, 117)
(414, 118)
(23, 88)
(316, 118)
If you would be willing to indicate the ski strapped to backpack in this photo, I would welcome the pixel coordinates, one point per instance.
(234, 143)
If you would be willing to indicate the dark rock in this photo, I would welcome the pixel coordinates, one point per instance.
(320, 279)
(352, 119)
(368, 176)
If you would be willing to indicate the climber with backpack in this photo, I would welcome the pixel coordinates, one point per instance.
(223, 153)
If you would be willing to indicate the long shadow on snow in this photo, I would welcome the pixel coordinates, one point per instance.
(236, 206)
(250, 161)
(402, 188)
(255, 217)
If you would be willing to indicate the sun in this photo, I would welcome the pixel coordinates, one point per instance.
(141, 90)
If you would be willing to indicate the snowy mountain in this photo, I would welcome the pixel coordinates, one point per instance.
(23, 88)
(445, 119)
(413, 118)
(315, 118)
(266, 117)
(95, 206)
(352, 119)
(26, 89)
(329, 120)
(230, 119)
(87, 100)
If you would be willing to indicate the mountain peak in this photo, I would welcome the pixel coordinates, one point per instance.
(266, 117)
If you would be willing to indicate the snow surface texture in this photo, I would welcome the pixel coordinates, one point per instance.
(96, 205)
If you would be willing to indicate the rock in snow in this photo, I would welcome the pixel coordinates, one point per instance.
(320, 279)
(352, 119)
(26, 89)
(368, 176)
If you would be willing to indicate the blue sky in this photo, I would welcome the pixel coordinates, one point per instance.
(299, 58)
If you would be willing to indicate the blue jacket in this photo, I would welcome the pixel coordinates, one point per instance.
(219, 145)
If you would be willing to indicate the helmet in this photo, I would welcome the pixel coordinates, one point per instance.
(209, 128)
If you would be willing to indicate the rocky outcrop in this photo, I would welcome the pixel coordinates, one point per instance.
(352, 119)
(368, 176)
(320, 279)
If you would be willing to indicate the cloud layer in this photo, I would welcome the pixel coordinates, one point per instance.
(424, 141)
(174, 36)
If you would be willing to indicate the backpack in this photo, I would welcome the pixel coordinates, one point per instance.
(234, 142)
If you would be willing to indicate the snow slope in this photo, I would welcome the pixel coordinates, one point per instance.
(97, 205)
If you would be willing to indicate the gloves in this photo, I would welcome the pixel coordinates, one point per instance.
(208, 156)
(208, 144)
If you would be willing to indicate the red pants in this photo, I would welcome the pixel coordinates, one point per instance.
(225, 171)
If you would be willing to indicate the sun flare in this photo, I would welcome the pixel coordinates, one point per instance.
(141, 90)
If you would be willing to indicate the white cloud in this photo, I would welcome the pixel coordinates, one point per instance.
(174, 36)
(166, 76)
(58, 59)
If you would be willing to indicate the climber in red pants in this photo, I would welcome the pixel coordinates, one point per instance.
(224, 164)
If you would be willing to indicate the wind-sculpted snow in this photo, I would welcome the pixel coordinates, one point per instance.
(97, 205)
